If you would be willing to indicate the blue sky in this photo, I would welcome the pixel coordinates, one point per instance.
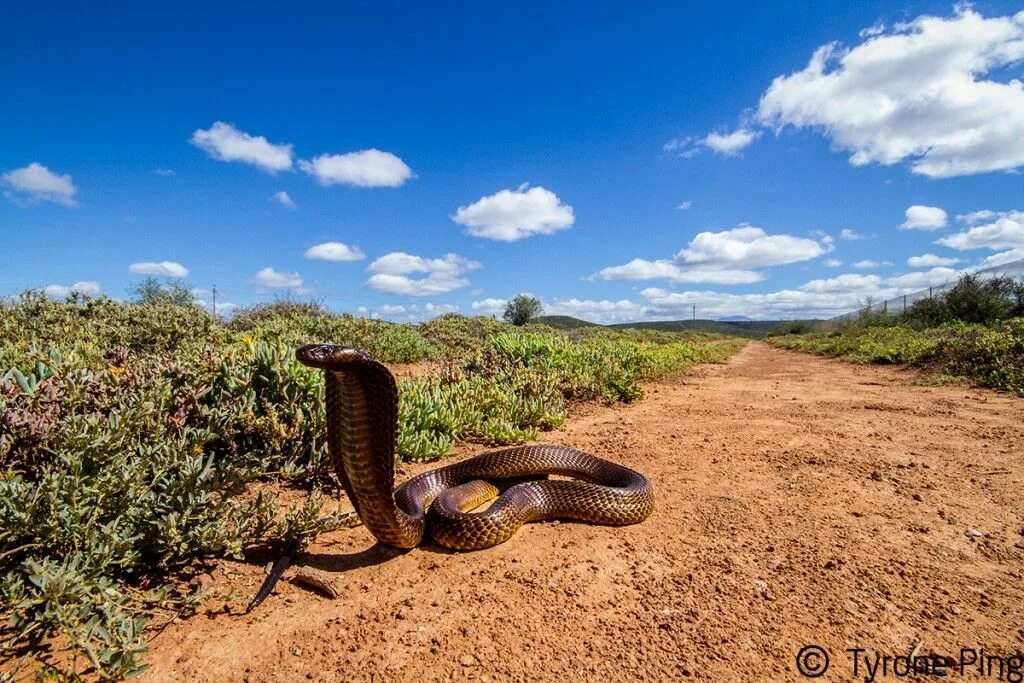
(621, 161)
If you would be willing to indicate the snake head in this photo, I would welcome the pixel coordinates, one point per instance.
(331, 356)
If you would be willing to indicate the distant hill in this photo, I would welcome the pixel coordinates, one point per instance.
(563, 322)
(742, 328)
(737, 325)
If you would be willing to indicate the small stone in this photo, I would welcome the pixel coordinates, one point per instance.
(468, 660)
(974, 533)
(831, 564)
(917, 497)
(876, 475)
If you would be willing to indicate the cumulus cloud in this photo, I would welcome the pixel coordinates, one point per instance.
(748, 246)
(927, 91)
(931, 260)
(848, 234)
(393, 274)
(727, 257)
(832, 262)
(1005, 230)
(490, 306)
(868, 264)
(335, 251)
(1002, 258)
(224, 142)
(86, 287)
(688, 204)
(268, 277)
(160, 269)
(511, 215)
(924, 218)
(366, 168)
(642, 269)
(36, 183)
(924, 279)
(284, 199)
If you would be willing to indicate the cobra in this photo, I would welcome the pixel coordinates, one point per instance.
(362, 437)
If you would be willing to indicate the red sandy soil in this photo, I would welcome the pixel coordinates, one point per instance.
(800, 500)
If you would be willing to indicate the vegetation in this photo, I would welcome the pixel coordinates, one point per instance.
(522, 308)
(140, 440)
(975, 331)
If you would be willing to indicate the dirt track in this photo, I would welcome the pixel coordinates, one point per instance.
(800, 500)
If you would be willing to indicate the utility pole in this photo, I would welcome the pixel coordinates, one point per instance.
(694, 317)
(215, 301)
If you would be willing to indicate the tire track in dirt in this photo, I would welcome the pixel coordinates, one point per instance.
(800, 500)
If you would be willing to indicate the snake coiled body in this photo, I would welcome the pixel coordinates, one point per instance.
(362, 435)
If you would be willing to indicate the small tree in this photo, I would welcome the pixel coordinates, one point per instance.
(521, 308)
(150, 291)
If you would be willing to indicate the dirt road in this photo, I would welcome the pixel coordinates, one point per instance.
(800, 500)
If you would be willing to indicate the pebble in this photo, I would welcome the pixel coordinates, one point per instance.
(468, 660)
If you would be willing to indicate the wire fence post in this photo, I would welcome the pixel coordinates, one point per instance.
(215, 301)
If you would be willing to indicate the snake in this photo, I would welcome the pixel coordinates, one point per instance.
(362, 414)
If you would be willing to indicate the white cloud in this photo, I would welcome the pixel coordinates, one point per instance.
(489, 306)
(161, 269)
(848, 234)
(1002, 258)
(1006, 231)
(917, 92)
(931, 260)
(642, 269)
(976, 216)
(36, 183)
(410, 313)
(832, 262)
(868, 264)
(924, 218)
(366, 168)
(843, 284)
(510, 215)
(730, 144)
(86, 287)
(747, 246)
(601, 311)
(727, 257)
(688, 204)
(335, 251)
(921, 280)
(268, 277)
(726, 144)
(284, 199)
(391, 274)
(165, 172)
(224, 142)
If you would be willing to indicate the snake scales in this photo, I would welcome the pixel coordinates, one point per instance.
(362, 436)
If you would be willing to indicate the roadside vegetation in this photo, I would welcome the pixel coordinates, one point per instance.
(140, 440)
(974, 332)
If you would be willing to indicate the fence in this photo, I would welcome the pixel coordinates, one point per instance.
(900, 304)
